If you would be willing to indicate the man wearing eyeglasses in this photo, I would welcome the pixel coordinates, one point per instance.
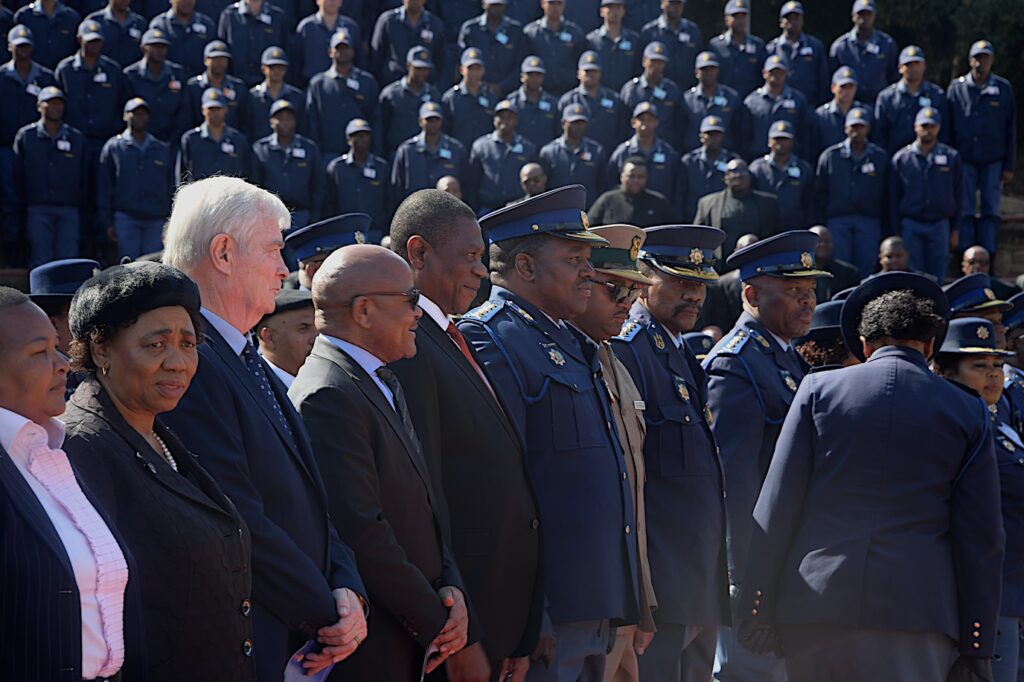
(686, 512)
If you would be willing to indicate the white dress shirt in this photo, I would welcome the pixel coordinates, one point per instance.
(284, 376)
(368, 361)
(236, 339)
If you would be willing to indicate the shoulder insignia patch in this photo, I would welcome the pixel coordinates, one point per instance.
(735, 344)
(681, 389)
(708, 417)
(629, 331)
(519, 310)
(485, 312)
(788, 379)
(763, 342)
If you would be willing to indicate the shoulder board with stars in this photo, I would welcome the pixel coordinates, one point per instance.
(735, 344)
(629, 331)
(485, 312)
(519, 311)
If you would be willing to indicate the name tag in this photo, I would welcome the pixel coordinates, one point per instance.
(370, 173)
(626, 45)
(298, 152)
(352, 83)
(425, 97)
(265, 18)
(227, 147)
(748, 48)
(586, 156)
(639, 405)
(990, 90)
(517, 148)
(793, 171)
(867, 168)
(135, 33)
(806, 50)
(64, 145)
(482, 101)
(872, 48)
(607, 103)
(719, 101)
(99, 77)
(544, 105)
(229, 93)
(174, 85)
(427, 35)
(684, 37)
(565, 37)
(659, 93)
(720, 166)
(924, 101)
(658, 157)
(32, 89)
(789, 104)
(941, 160)
(501, 38)
(199, 28)
(444, 153)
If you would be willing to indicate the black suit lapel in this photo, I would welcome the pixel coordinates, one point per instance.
(25, 501)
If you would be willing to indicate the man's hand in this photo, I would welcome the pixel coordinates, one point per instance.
(970, 669)
(545, 649)
(454, 634)
(758, 637)
(468, 665)
(641, 640)
(1007, 177)
(344, 637)
(514, 669)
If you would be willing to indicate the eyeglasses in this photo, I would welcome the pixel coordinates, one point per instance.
(412, 296)
(622, 293)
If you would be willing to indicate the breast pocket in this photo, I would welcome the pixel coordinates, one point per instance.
(576, 417)
(681, 441)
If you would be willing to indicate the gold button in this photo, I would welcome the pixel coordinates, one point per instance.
(976, 634)
(627, 530)
(753, 612)
(757, 593)
(976, 645)
(977, 625)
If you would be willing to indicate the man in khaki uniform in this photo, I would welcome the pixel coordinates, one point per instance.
(617, 285)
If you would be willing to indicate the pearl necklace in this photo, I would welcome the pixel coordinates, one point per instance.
(166, 452)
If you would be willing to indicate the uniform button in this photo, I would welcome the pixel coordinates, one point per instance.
(246, 607)
(977, 625)
(627, 530)
(623, 475)
(976, 645)
(757, 593)
(247, 647)
(757, 602)
(1020, 461)
(686, 419)
(535, 524)
(753, 612)
(976, 634)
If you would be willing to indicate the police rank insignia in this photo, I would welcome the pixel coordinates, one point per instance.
(585, 220)
(761, 340)
(634, 248)
(1005, 442)
(708, 417)
(360, 237)
(806, 260)
(681, 390)
(525, 315)
(789, 380)
(659, 342)
(982, 333)
(556, 356)
(696, 256)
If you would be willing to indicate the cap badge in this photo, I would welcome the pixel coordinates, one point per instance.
(697, 256)
(360, 237)
(789, 380)
(556, 357)
(634, 248)
(990, 295)
(681, 388)
(806, 260)
(585, 220)
(982, 333)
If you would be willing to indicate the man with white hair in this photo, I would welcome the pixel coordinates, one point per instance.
(236, 417)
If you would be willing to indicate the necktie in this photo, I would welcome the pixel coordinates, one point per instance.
(795, 359)
(401, 407)
(259, 373)
(460, 341)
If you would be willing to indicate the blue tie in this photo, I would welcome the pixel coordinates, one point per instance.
(259, 373)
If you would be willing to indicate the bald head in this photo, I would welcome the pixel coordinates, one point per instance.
(746, 240)
(976, 259)
(823, 252)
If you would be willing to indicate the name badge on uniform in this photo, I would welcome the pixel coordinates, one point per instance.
(298, 152)
(425, 97)
(607, 103)
(352, 83)
(174, 84)
(544, 105)
(793, 171)
(923, 101)
(32, 89)
(227, 147)
(482, 101)
(265, 18)
(517, 148)
(788, 379)
(659, 93)
(586, 156)
(719, 101)
(748, 48)
(427, 35)
(625, 45)
(658, 157)
(684, 37)
(681, 389)
(135, 33)
(444, 153)
(63, 145)
(199, 28)
(501, 38)
(941, 160)
(720, 166)
(991, 90)
(565, 37)
(229, 93)
(789, 104)
(99, 77)
(370, 173)
(872, 48)
(639, 405)
(868, 168)
(806, 50)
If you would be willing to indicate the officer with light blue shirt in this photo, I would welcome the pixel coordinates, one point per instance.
(469, 104)
(618, 47)
(775, 101)
(121, 35)
(899, 103)
(982, 126)
(290, 165)
(214, 148)
(537, 108)
(559, 47)
(54, 34)
(162, 85)
(680, 36)
(828, 122)
(274, 64)
(358, 180)
(574, 158)
(607, 124)
(872, 53)
(135, 184)
(702, 171)
(421, 161)
(852, 193)
(250, 27)
(926, 197)
(217, 57)
(188, 36)
(501, 42)
(652, 86)
(400, 101)
(788, 177)
(397, 32)
(662, 158)
(805, 54)
(492, 179)
(739, 53)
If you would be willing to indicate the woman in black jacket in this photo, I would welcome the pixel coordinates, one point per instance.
(135, 331)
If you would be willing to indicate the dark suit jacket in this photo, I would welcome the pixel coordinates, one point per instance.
(384, 504)
(844, 276)
(190, 544)
(40, 608)
(709, 212)
(477, 455)
(273, 480)
(724, 302)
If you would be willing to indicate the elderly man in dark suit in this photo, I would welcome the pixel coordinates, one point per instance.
(738, 208)
(492, 514)
(377, 478)
(226, 235)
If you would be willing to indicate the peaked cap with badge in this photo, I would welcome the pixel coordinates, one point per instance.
(790, 254)
(619, 258)
(973, 294)
(328, 235)
(684, 251)
(558, 213)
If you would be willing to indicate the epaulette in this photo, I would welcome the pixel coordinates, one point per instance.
(762, 342)
(629, 331)
(519, 310)
(484, 312)
(734, 345)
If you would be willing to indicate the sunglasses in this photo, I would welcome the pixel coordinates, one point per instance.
(623, 293)
(412, 297)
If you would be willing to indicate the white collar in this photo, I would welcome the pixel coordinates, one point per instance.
(434, 312)
(364, 358)
(12, 423)
(236, 340)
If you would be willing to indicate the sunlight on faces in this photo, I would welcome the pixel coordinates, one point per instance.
(257, 268)
(561, 275)
(675, 302)
(983, 373)
(287, 338)
(605, 315)
(33, 375)
(784, 304)
(450, 272)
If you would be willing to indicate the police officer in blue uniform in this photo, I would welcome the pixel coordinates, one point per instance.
(788, 177)
(453, 14)
(740, 54)
(574, 158)
(685, 488)
(357, 181)
(852, 193)
(421, 161)
(551, 380)
(214, 148)
(188, 32)
(401, 100)
(559, 43)
(290, 165)
(311, 43)
(469, 104)
(618, 47)
(681, 37)
(711, 98)
(537, 109)
(775, 101)
(897, 105)
(21, 80)
(135, 184)
(53, 25)
(122, 31)
(804, 53)
(250, 27)
(926, 197)
(828, 122)
(702, 171)
(983, 128)
(652, 86)
(662, 158)
(502, 45)
(398, 31)
(311, 245)
(162, 85)
(492, 179)
(274, 65)
(855, 504)
(338, 95)
(972, 296)
(754, 373)
(217, 57)
(49, 180)
(607, 114)
(872, 53)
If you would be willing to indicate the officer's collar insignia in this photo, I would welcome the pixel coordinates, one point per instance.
(760, 339)
(634, 248)
(990, 295)
(681, 388)
(659, 342)
(556, 356)
(806, 260)
(525, 315)
(708, 417)
(697, 256)
(1005, 442)
(360, 237)
(585, 220)
(982, 332)
(790, 381)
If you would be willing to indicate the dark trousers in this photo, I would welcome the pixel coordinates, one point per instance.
(680, 653)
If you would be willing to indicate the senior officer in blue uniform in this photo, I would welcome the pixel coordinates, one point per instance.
(753, 374)
(607, 114)
(702, 171)
(739, 52)
(574, 158)
(551, 380)
(421, 161)
(872, 53)
(788, 177)
(290, 165)
(537, 108)
(682, 38)
(214, 148)
(400, 100)
(685, 487)
(496, 159)
(469, 104)
(710, 98)
(805, 54)
(357, 180)
(897, 105)
(162, 84)
(879, 543)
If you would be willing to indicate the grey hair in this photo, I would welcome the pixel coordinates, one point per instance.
(212, 206)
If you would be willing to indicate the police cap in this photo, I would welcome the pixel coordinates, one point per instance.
(790, 254)
(328, 235)
(558, 213)
(683, 251)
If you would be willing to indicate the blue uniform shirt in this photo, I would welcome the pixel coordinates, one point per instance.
(49, 171)
(95, 96)
(608, 116)
(667, 96)
(662, 164)
(332, 100)
(852, 185)
(538, 121)
(169, 106)
(468, 116)
(454, 13)
(762, 110)
(212, 8)
(895, 109)
(620, 58)
(6, 24)
(53, 37)
(137, 179)
(19, 98)
(584, 165)
(359, 188)
(725, 103)
(982, 121)
(1009, 449)
(700, 176)
(394, 36)
(926, 188)
(502, 49)
(121, 41)
(260, 101)
(187, 40)
(808, 66)
(584, 13)
(416, 166)
(295, 173)
(399, 110)
(249, 35)
(312, 40)
(682, 44)
(560, 50)
(793, 186)
(874, 60)
(740, 64)
(828, 126)
(201, 156)
(235, 93)
(493, 177)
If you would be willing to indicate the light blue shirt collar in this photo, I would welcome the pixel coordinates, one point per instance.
(236, 340)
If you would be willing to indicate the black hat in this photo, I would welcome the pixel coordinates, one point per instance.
(558, 213)
(60, 278)
(124, 292)
(842, 295)
(790, 254)
(973, 294)
(872, 288)
(684, 251)
(1014, 317)
(289, 299)
(972, 336)
(825, 325)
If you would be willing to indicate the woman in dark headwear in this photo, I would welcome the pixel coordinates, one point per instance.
(135, 330)
(823, 347)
